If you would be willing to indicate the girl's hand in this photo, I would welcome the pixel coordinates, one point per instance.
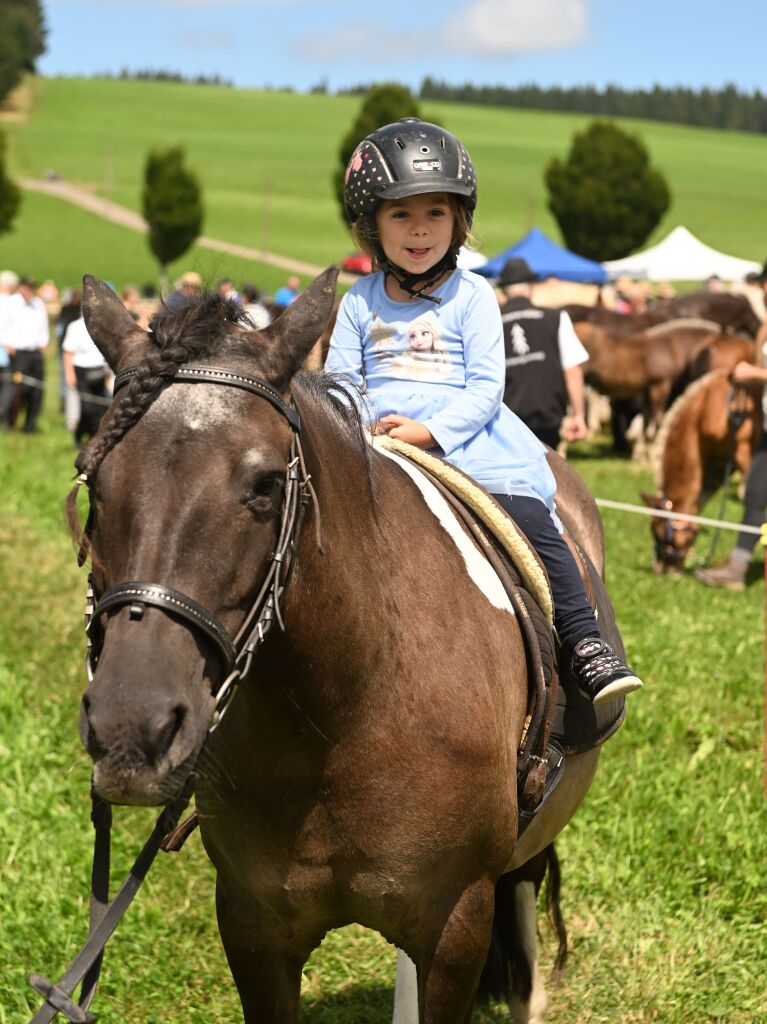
(404, 429)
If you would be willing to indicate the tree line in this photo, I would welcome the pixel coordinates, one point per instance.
(727, 108)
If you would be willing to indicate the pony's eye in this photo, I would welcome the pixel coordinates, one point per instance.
(266, 493)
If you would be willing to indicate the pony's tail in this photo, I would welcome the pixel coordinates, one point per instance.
(554, 911)
(508, 970)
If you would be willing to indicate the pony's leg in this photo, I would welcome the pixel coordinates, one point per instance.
(534, 1011)
(405, 991)
(448, 982)
(268, 978)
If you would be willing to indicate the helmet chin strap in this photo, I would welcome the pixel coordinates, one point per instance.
(410, 282)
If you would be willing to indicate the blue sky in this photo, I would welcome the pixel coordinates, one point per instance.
(632, 43)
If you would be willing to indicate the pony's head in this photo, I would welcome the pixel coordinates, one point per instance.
(673, 538)
(186, 480)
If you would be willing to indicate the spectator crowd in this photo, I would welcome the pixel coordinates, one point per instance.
(33, 315)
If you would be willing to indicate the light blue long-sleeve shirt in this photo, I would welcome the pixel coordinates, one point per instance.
(442, 365)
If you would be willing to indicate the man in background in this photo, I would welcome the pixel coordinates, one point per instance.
(543, 360)
(8, 284)
(288, 293)
(27, 331)
(186, 290)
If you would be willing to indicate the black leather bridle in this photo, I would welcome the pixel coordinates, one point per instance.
(666, 551)
(236, 655)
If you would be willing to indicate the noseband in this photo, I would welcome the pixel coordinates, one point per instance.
(666, 551)
(236, 654)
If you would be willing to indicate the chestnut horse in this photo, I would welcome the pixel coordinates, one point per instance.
(710, 425)
(732, 313)
(657, 363)
(365, 770)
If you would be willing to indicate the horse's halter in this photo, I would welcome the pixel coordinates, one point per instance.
(236, 654)
(666, 551)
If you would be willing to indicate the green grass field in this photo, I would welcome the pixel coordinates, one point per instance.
(265, 161)
(665, 866)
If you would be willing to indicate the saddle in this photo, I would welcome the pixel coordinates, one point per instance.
(559, 719)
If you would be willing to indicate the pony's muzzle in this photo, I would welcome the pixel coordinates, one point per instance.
(147, 744)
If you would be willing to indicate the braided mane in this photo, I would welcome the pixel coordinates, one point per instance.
(194, 331)
(671, 420)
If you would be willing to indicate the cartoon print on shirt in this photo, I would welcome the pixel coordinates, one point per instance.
(383, 336)
(427, 357)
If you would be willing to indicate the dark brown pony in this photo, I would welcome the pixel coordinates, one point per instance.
(655, 364)
(699, 435)
(731, 312)
(366, 767)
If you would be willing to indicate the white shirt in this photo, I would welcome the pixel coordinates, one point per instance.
(6, 303)
(27, 323)
(571, 351)
(81, 345)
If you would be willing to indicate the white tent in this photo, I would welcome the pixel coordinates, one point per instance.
(468, 259)
(681, 257)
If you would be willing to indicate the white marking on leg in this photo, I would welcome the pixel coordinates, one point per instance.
(405, 991)
(479, 569)
(533, 1012)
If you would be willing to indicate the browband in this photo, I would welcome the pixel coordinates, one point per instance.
(192, 374)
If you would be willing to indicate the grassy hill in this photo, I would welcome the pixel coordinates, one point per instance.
(265, 160)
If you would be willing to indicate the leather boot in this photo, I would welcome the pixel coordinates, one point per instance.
(731, 575)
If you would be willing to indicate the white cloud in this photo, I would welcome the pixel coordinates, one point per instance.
(500, 28)
(480, 28)
(211, 5)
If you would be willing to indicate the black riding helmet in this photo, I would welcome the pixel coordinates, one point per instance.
(408, 158)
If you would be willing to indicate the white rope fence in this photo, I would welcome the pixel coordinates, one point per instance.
(643, 510)
(16, 377)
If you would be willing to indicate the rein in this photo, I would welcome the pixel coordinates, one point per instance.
(236, 655)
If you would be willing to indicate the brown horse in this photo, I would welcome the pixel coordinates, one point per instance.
(655, 364)
(732, 312)
(711, 424)
(365, 769)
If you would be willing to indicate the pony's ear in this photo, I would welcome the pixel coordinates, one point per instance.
(119, 338)
(651, 500)
(284, 344)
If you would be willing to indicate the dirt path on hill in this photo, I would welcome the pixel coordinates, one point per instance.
(121, 215)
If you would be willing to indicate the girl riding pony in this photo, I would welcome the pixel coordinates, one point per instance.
(410, 194)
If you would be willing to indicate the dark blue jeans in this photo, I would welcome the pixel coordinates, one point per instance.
(573, 616)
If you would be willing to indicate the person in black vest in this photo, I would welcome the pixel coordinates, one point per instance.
(543, 360)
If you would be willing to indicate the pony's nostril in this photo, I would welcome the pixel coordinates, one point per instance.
(88, 733)
(166, 735)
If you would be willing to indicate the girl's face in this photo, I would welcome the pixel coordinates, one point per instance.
(421, 338)
(415, 233)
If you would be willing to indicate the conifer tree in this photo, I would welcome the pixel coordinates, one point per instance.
(10, 194)
(22, 40)
(172, 205)
(605, 196)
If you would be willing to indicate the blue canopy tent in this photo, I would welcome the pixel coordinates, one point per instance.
(547, 259)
